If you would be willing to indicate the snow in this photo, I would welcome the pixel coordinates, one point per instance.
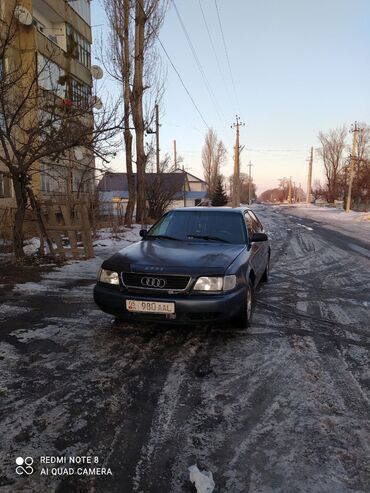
(353, 224)
(31, 246)
(59, 278)
(325, 213)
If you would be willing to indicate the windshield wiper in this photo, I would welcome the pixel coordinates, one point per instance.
(206, 237)
(165, 237)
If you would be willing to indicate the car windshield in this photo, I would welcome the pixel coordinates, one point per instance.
(209, 226)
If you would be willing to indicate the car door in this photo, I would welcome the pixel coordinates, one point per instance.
(264, 246)
(257, 249)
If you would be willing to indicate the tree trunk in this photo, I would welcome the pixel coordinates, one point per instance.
(137, 111)
(127, 134)
(21, 199)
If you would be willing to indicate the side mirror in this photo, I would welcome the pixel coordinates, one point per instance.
(258, 237)
(143, 232)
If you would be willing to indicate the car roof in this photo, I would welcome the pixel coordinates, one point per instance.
(232, 210)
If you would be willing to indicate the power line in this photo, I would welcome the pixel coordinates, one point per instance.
(226, 53)
(213, 48)
(175, 69)
(200, 67)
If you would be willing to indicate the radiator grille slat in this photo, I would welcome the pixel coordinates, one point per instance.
(171, 282)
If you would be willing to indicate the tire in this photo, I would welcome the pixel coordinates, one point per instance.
(243, 320)
(266, 274)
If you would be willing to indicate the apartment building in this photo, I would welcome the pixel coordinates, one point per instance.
(55, 34)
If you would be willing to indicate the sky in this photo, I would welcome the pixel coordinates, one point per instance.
(291, 68)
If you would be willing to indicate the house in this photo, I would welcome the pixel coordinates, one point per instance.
(52, 40)
(188, 190)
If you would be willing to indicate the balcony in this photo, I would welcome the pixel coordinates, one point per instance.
(49, 23)
(53, 13)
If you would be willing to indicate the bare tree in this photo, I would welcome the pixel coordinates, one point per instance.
(134, 26)
(149, 16)
(332, 153)
(163, 187)
(244, 188)
(120, 43)
(317, 191)
(39, 123)
(361, 184)
(213, 157)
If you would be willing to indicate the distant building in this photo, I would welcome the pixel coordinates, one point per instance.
(189, 190)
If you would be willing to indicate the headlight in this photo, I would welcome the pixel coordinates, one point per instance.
(215, 283)
(109, 276)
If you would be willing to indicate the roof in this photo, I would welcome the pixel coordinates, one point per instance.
(118, 181)
(108, 196)
(189, 174)
(231, 210)
(196, 195)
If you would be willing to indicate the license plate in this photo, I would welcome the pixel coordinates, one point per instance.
(150, 307)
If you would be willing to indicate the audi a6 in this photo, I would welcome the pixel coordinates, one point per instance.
(194, 265)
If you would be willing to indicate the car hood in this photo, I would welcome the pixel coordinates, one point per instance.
(186, 257)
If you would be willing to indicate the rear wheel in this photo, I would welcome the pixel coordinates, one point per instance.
(243, 320)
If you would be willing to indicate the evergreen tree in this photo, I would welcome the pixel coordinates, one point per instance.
(219, 196)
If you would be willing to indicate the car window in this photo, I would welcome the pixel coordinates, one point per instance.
(187, 225)
(249, 224)
(256, 222)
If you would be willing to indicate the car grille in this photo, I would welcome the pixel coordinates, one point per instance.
(155, 282)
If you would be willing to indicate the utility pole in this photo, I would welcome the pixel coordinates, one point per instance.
(236, 178)
(174, 154)
(309, 178)
(290, 191)
(250, 183)
(354, 130)
(157, 134)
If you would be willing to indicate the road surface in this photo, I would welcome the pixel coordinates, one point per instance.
(283, 407)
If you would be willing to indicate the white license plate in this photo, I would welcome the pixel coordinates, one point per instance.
(150, 307)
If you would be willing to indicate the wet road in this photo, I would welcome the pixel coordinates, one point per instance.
(282, 407)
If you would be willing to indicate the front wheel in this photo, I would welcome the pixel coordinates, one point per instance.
(243, 320)
(266, 273)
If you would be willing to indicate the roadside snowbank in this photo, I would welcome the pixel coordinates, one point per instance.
(82, 270)
(325, 213)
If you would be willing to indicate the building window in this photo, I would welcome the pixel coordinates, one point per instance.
(78, 46)
(49, 75)
(82, 180)
(80, 93)
(49, 124)
(54, 178)
(5, 187)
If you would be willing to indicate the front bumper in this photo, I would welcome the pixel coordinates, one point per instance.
(188, 308)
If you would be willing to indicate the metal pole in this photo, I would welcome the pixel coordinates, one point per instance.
(174, 154)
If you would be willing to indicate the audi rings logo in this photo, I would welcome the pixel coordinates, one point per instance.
(24, 466)
(153, 282)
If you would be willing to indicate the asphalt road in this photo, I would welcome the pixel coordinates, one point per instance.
(283, 407)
